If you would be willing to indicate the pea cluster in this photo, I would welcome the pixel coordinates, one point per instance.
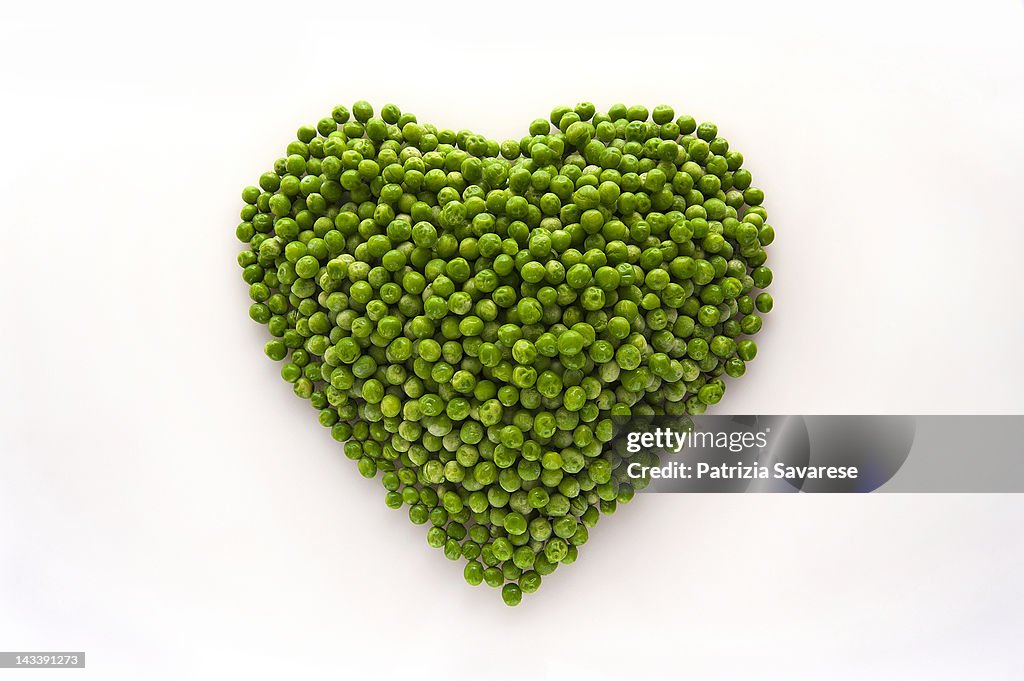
(474, 319)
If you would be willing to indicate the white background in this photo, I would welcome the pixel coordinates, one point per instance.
(167, 506)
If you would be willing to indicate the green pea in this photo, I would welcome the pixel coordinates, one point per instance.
(515, 523)
(511, 594)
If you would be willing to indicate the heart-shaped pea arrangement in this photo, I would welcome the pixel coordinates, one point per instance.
(474, 320)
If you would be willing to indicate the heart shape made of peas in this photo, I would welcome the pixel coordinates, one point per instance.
(474, 320)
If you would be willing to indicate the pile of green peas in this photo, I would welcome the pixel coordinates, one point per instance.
(474, 320)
